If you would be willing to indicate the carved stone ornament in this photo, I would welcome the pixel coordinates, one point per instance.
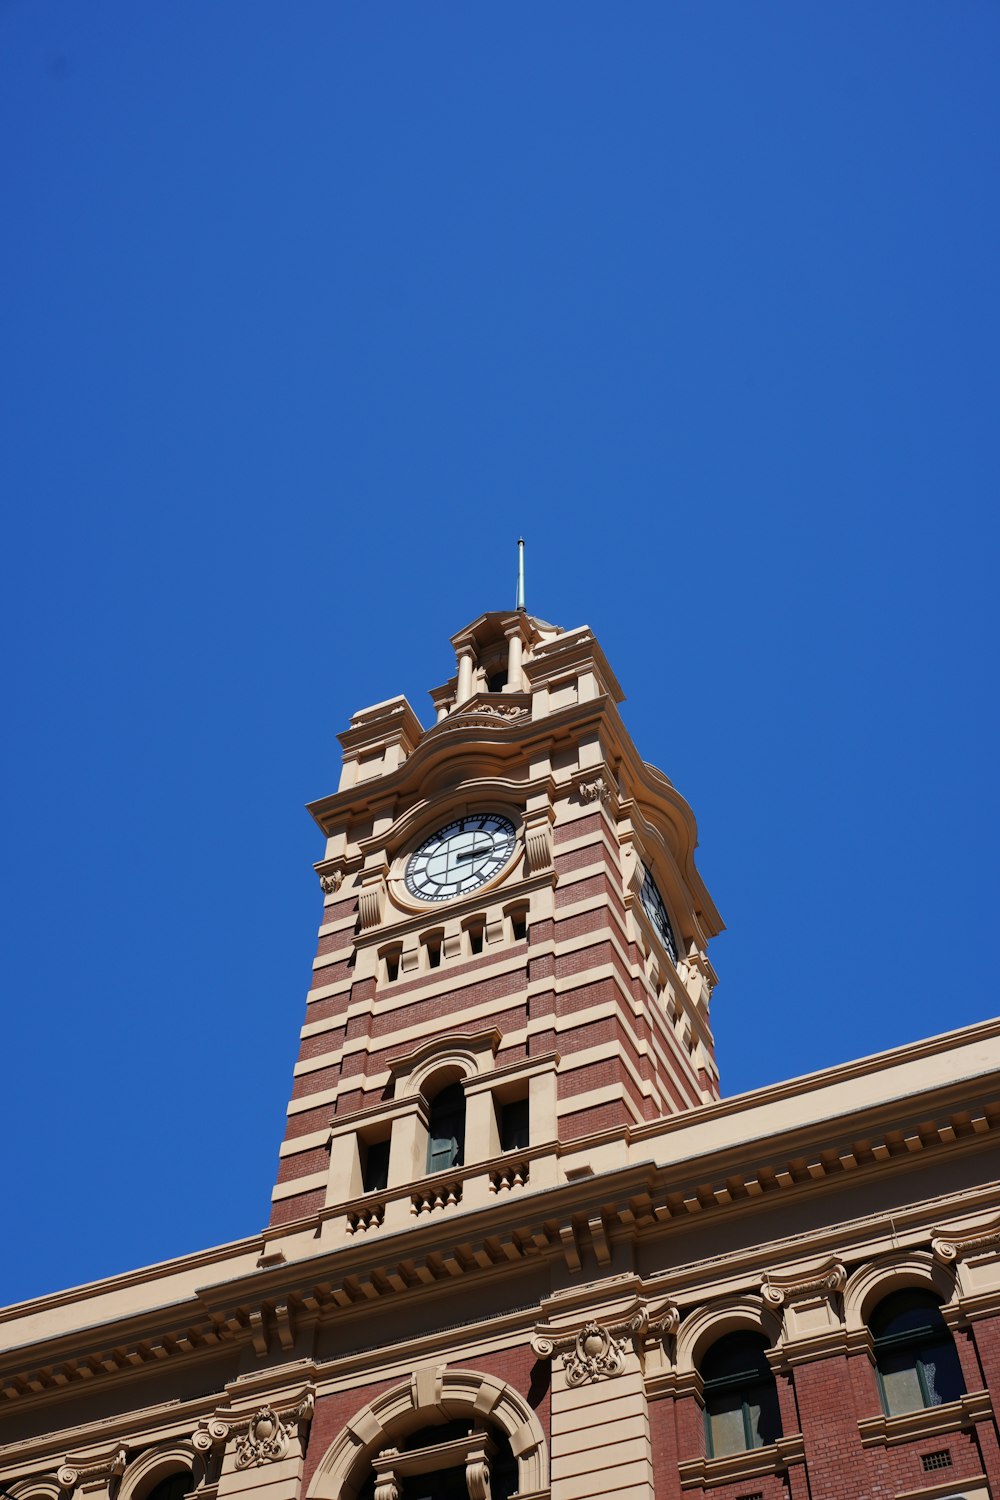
(538, 841)
(597, 1351)
(954, 1241)
(477, 1470)
(108, 1463)
(784, 1286)
(265, 1440)
(371, 901)
(595, 791)
(497, 710)
(331, 881)
(210, 1433)
(595, 1356)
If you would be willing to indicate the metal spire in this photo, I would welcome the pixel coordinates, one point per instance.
(520, 573)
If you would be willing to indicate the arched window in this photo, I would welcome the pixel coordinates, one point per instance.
(915, 1354)
(446, 1129)
(741, 1399)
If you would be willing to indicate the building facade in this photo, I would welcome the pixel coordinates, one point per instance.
(519, 1243)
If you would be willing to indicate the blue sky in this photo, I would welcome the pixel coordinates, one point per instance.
(307, 312)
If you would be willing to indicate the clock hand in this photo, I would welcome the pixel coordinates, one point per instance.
(473, 853)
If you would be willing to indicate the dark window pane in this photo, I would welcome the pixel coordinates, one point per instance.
(446, 1146)
(514, 1125)
(375, 1166)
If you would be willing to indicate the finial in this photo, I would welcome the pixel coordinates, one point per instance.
(520, 573)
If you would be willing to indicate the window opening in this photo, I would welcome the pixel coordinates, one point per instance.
(392, 966)
(174, 1487)
(476, 932)
(433, 946)
(374, 1165)
(514, 1125)
(915, 1354)
(446, 1129)
(519, 924)
(496, 682)
(451, 1483)
(741, 1399)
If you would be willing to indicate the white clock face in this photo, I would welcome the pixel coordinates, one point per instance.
(657, 914)
(460, 857)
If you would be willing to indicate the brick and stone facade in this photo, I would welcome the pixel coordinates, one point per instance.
(539, 1316)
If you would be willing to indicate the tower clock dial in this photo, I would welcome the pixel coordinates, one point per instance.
(657, 913)
(460, 857)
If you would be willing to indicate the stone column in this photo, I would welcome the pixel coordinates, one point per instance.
(601, 1448)
(464, 692)
(515, 648)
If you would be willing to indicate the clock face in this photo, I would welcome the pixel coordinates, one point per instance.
(460, 857)
(657, 913)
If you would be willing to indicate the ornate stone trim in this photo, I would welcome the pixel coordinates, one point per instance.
(594, 791)
(100, 1464)
(331, 880)
(371, 900)
(265, 1440)
(597, 1351)
(955, 1241)
(538, 840)
(792, 1282)
(210, 1433)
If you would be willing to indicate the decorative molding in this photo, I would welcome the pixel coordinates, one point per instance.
(371, 900)
(477, 1468)
(211, 1432)
(789, 1283)
(386, 1487)
(956, 1241)
(331, 880)
(265, 1440)
(597, 1351)
(391, 1415)
(100, 1464)
(594, 791)
(538, 840)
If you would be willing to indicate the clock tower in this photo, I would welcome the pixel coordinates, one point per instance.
(512, 970)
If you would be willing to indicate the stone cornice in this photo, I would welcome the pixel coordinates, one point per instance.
(575, 1220)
